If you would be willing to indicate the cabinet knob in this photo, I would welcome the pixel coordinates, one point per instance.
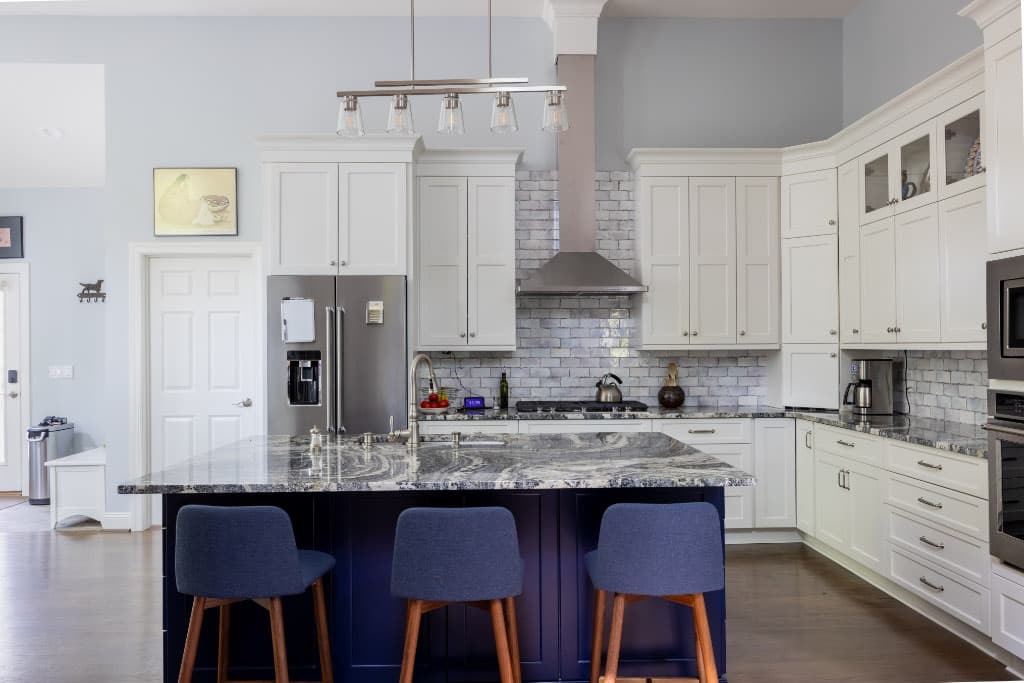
(984, 326)
(344, 263)
(831, 221)
(833, 354)
(334, 263)
(685, 333)
(462, 335)
(743, 333)
(695, 333)
(472, 334)
(896, 330)
(855, 331)
(832, 332)
(889, 330)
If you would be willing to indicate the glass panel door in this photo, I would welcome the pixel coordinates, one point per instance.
(961, 149)
(916, 168)
(876, 188)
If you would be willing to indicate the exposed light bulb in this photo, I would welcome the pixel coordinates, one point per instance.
(556, 115)
(400, 116)
(350, 119)
(450, 122)
(503, 114)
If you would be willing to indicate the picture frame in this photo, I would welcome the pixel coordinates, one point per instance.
(12, 243)
(195, 201)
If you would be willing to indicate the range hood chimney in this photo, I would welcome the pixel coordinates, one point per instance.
(577, 268)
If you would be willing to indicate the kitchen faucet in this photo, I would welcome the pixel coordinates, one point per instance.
(414, 426)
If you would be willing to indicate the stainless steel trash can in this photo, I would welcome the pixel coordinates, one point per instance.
(45, 442)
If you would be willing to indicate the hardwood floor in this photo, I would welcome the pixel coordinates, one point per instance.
(793, 615)
(83, 606)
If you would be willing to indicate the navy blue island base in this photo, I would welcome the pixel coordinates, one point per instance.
(555, 612)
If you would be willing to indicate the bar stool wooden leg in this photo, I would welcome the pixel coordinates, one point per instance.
(597, 642)
(501, 642)
(223, 638)
(277, 638)
(611, 668)
(413, 614)
(195, 625)
(700, 616)
(702, 675)
(323, 640)
(513, 639)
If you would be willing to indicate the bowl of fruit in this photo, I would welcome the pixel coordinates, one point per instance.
(434, 405)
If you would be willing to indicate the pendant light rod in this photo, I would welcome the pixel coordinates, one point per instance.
(452, 91)
(412, 43)
(490, 39)
(450, 81)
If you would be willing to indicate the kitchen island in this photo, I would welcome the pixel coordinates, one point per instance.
(344, 498)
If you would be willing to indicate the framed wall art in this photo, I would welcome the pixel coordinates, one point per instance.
(195, 201)
(11, 238)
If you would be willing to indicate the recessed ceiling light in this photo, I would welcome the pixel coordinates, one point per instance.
(54, 133)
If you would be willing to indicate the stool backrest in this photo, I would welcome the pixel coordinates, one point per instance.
(456, 554)
(236, 552)
(679, 545)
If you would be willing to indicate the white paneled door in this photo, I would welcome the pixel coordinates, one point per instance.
(202, 357)
(13, 423)
(757, 260)
(712, 260)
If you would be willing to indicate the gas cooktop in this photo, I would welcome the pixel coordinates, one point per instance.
(579, 407)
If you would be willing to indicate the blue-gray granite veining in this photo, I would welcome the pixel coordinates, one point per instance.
(957, 437)
(521, 461)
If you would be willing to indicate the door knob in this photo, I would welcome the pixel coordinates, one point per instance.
(245, 403)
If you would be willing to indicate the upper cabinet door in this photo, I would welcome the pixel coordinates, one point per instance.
(441, 263)
(915, 153)
(917, 275)
(302, 218)
(492, 262)
(712, 260)
(810, 302)
(663, 246)
(849, 254)
(757, 260)
(373, 223)
(809, 204)
(962, 252)
(961, 158)
(878, 175)
(1004, 137)
(878, 282)
(811, 375)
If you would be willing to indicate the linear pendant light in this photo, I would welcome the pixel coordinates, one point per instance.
(450, 122)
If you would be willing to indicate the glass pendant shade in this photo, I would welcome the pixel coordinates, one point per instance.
(450, 121)
(350, 119)
(556, 115)
(400, 116)
(503, 114)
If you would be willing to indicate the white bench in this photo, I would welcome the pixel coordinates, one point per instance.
(78, 486)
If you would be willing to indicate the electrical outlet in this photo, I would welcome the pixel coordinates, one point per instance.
(61, 371)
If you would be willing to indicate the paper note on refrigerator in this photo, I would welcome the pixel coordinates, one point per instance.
(297, 323)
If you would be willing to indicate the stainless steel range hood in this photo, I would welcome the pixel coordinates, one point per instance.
(577, 268)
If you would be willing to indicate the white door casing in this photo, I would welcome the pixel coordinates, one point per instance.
(14, 399)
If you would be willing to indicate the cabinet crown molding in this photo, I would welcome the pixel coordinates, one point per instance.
(696, 161)
(487, 161)
(328, 142)
(984, 12)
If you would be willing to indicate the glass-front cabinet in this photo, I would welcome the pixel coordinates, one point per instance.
(899, 175)
(961, 156)
(877, 200)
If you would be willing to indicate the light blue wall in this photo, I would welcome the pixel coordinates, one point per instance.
(890, 45)
(716, 83)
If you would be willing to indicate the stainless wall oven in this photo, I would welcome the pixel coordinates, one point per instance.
(1006, 475)
(1005, 296)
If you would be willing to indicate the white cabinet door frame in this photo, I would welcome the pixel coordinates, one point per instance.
(805, 476)
(663, 239)
(492, 262)
(849, 254)
(962, 239)
(712, 261)
(921, 197)
(811, 375)
(969, 183)
(878, 281)
(302, 218)
(917, 275)
(373, 218)
(775, 470)
(810, 290)
(442, 275)
(809, 204)
(757, 260)
(1003, 137)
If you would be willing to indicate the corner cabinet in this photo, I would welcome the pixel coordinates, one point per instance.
(335, 206)
(465, 263)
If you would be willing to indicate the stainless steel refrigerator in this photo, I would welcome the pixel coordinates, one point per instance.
(336, 353)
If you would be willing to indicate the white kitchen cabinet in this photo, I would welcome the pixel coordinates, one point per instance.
(467, 427)
(848, 508)
(739, 500)
(877, 169)
(962, 249)
(757, 260)
(663, 241)
(878, 281)
(698, 432)
(373, 218)
(582, 426)
(712, 261)
(1007, 608)
(775, 470)
(898, 176)
(959, 138)
(849, 254)
(1004, 143)
(466, 263)
(917, 275)
(811, 375)
(302, 218)
(831, 514)
(809, 204)
(810, 290)
(805, 476)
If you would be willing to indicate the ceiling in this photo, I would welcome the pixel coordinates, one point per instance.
(531, 8)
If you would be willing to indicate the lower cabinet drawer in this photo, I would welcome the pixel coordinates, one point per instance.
(1008, 614)
(707, 431)
(959, 472)
(958, 511)
(966, 556)
(850, 444)
(963, 599)
(469, 426)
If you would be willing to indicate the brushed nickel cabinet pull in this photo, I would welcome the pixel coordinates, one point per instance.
(700, 431)
(845, 443)
(926, 541)
(929, 503)
(930, 466)
(932, 585)
(807, 439)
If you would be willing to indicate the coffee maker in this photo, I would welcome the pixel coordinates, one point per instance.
(870, 389)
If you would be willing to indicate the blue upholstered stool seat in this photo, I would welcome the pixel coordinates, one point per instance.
(226, 554)
(469, 555)
(672, 552)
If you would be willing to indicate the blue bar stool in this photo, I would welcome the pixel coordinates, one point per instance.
(224, 555)
(673, 552)
(468, 555)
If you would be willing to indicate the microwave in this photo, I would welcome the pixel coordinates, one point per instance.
(1005, 297)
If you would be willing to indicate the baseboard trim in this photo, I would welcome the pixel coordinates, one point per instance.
(743, 536)
(116, 521)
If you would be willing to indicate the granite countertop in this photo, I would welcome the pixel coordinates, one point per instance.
(522, 461)
(957, 437)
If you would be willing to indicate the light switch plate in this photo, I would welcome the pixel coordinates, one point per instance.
(61, 371)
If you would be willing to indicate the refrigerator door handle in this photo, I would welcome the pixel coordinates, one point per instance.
(340, 363)
(328, 369)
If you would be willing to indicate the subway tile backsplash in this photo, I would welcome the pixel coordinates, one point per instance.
(566, 343)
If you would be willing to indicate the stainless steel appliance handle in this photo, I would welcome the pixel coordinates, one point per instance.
(328, 367)
(1009, 431)
(339, 347)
